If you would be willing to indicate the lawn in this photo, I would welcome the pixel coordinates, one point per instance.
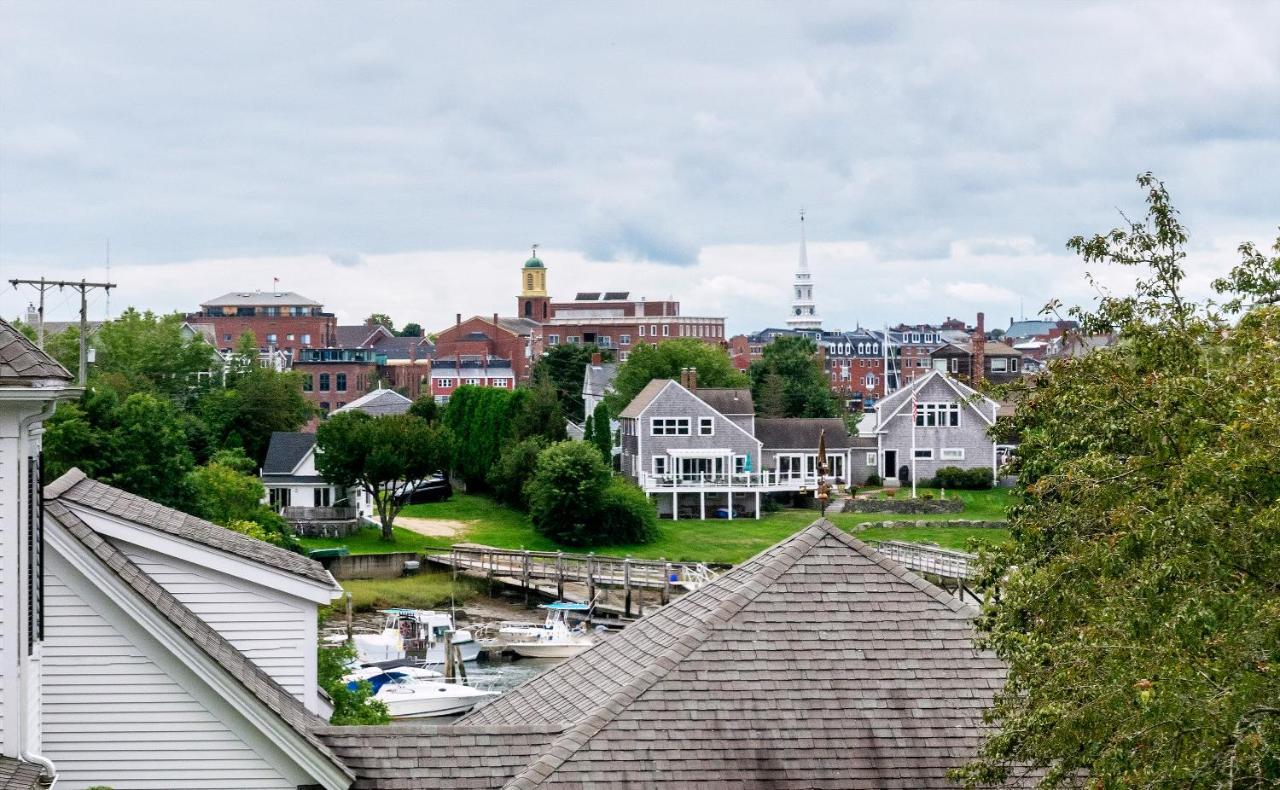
(422, 591)
(715, 541)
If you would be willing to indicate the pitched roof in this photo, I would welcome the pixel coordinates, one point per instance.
(377, 402)
(599, 378)
(286, 449)
(793, 433)
(237, 665)
(355, 335)
(729, 402)
(520, 326)
(17, 775)
(22, 362)
(993, 348)
(817, 663)
(1031, 328)
(75, 487)
(642, 400)
(261, 299)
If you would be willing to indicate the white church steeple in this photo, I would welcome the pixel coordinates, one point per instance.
(804, 313)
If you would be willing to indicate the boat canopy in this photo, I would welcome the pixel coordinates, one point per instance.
(566, 606)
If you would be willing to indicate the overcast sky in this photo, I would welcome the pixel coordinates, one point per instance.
(401, 157)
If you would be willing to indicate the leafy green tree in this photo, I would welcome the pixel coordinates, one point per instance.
(1138, 603)
(564, 367)
(411, 329)
(508, 477)
(255, 403)
(665, 361)
(381, 319)
(603, 435)
(150, 352)
(386, 457)
(234, 458)
(805, 392)
(349, 706)
(479, 419)
(1256, 280)
(627, 517)
(535, 411)
(426, 408)
(565, 493)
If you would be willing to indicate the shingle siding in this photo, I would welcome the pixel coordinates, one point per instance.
(675, 401)
(971, 435)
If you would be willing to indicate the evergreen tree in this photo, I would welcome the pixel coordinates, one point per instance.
(603, 436)
(805, 391)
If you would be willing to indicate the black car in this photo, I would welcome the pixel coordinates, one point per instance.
(435, 489)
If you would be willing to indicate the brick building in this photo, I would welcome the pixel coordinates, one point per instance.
(487, 352)
(405, 364)
(279, 320)
(333, 377)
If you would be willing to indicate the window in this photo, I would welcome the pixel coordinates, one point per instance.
(871, 458)
(573, 340)
(938, 415)
(999, 364)
(322, 497)
(669, 426)
(271, 339)
(502, 383)
(226, 338)
(659, 464)
(472, 382)
(324, 406)
(307, 382)
(640, 330)
(739, 464)
(1013, 365)
(288, 336)
(553, 340)
(623, 356)
(272, 311)
(279, 497)
(444, 382)
(324, 382)
(341, 382)
(306, 339)
(666, 330)
(952, 453)
(624, 340)
(706, 426)
(926, 454)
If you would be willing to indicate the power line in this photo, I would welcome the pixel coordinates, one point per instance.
(83, 287)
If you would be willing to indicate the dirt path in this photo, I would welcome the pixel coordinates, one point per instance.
(433, 527)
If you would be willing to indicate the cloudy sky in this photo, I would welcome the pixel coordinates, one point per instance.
(401, 157)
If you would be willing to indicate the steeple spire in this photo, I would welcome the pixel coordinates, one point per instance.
(804, 313)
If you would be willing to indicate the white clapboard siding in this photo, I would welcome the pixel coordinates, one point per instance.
(275, 632)
(113, 717)
(9, 577)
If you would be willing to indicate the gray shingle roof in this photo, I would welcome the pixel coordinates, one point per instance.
(793, 433)
(286, 449)
(237, 665)
(599, 378)
(22, 362)
(377, 403)
(729, 402)
(643, 398)
(75, 487)
(261, 299)
(17, 775)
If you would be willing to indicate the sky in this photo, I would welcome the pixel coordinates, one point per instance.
(401, 157)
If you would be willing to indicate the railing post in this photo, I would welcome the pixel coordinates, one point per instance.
(666, 582)
(591, 578)
(453, 562)
(626, 583)
(524, 577)
(560, 575)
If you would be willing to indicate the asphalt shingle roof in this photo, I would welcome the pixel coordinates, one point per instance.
(377, 403)
(729, 402)
(17, 775)
(286, 449)
(599, 378)
(643, 398)
(261, 299)
(237, 665)
(793, 433)
(75, 487)
(22, 362)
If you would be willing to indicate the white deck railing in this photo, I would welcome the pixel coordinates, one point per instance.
(767, 480)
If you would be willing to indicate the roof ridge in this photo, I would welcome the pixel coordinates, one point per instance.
(784, 555)
(64, 483)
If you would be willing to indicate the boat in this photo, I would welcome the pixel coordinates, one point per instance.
(417, 631)
(556, 638)
(408, 697)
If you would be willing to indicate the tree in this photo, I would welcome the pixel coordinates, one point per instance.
(386, 457)
(535, 411)
(603, 436)
(565, 493)
(665, 361)
(150, 352)
(479, 420)
(589, 430)
(564, 368)
(1138, 603)
(255, 403)
(222, 494)
(508, 478)
(381, 319)
(349, 706)
(805, 392)
(627, 516)
(426, 408)
(411, 329)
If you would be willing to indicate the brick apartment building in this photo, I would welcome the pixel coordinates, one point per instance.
(405, 362)
(852, 361)
(486, 352)
(333, 377)
(279, 320)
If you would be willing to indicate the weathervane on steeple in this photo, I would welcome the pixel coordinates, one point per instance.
(535, 250)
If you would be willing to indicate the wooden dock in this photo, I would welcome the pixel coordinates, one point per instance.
(951, 569)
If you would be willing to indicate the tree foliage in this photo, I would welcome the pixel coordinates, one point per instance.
(478, 419)
(565, 493)
(426, 408)
(564, 367)
(255, 403)
(349, 707)
(411, 329)
(602, 436)
(1138, 604)
(381, 319)
(626, 515)
(386, 457)
(665, 361)
(508, 478)
(788, 381)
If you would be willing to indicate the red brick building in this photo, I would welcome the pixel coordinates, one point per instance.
(333, 377)
(486, 352)
(280, 320)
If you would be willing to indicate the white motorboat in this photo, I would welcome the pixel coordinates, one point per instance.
(408, 670)
(407, 697)
(417, 631)
(556, 638)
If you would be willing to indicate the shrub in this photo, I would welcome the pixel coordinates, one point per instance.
(967, 479)
(626, 514)
(510, 475)
(349, 707)
(770, 504)
(566, 491)
(874, 481)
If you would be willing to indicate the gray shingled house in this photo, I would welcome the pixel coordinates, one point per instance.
(701, 451)
(817, 663)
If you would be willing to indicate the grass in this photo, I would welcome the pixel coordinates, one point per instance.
(714, 541)
(423, 591)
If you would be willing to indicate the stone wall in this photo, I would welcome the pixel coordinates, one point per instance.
(325, 529)
(904, 506)
(370, 566)
(949, 523)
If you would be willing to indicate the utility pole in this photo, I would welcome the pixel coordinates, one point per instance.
(83, 287)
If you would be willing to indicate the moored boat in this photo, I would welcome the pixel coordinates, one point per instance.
(417, 631)
(556, 638)
(407, 697)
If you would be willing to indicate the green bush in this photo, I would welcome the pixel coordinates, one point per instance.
(626, 514)
(515, 466)
(874, 481)
(968, 479)
(566, 491)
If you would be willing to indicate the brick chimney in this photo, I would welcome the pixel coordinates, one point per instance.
(458, 320)
(979, 351)
(495, 319)
(693, 380)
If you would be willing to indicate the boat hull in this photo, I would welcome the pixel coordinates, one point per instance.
(425, 705)
(549, 649)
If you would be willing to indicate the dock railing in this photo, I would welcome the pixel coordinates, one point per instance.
(929, 559)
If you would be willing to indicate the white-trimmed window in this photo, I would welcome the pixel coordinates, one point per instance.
(1013, 365)
(659, 464)
(952, 453)
(871, 458)
(623, 356)
(574, 339)
(306, 339)
(502, 383)
(553, 340)
(624, 340)
(739, 464)
(706, 426)
(669, 426)
(444, 382)
(473, 382)
(924, 454)
(640, 330)
(666, 330)
(938, 415)
(999, 364)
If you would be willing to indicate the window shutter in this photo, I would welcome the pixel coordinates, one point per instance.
(35, 553)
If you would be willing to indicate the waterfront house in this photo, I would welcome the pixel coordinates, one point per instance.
(951, 428)
(817, 663)
(702, 451)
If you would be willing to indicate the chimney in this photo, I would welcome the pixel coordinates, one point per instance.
(458, 320)
(495, 319)
(693, 379)
(979, 351)
(595, 360)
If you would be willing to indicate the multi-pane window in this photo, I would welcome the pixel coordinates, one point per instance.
(999, 364)
(871, 458)
(938, 415)
(640, 330)
(925, 454)
(624, 340)
(952, 453)
(706, 426)
(669, 426)
(444, 382)
(308, 382)
(342, 382)
(659, 464)
(306, 339)
(324, 382)
(553, 340)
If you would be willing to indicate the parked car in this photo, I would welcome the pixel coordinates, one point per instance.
(435, 489)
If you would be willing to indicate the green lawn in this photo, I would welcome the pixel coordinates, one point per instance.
(717, 541)
(423, 591)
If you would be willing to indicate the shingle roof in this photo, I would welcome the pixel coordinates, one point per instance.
(520, 326)
(643, 399)
(237, 665)
(261, 299)
(727, 401)
(599, 378)
(793, 433)
(22, 362)
(354, 335)
(286, 449)
(992, 348)
(377, 403)
(75, 487)
(17, 775)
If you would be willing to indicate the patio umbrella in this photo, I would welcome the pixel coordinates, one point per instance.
(746, 465)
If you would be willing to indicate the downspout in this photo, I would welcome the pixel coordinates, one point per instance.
(48, 771)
